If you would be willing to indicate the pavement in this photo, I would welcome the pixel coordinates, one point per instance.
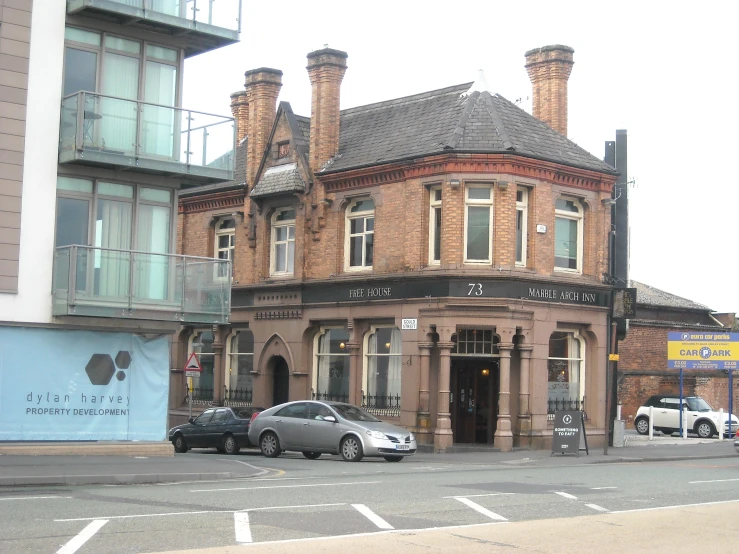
(77, 464)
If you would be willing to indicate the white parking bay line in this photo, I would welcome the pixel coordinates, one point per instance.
(85, 535)
(241, 527)
(372, 516)
(712, 481)
(601, 488)
(288, 486)
(33, 497)
(596, 507)
(565, 495)
(480, 509)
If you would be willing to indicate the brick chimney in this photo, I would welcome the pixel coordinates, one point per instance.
(549, 69)
(326, 69)
(240, 112)
(262, 88)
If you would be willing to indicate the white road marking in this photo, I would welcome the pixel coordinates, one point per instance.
(596, 507)
(76, 543)
(33, 497)
(475, 495)
(141, 457)
(480, 509)
(565, 495)
(288, 486)
(131, 516)
(241, 527)
(372, 516)
(601, 488)
(712, 481)
(675, 506)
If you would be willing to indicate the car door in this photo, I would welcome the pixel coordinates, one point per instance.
(196, 435)
(321, 434)
(670, 413)
(289, 424)
(214, 430)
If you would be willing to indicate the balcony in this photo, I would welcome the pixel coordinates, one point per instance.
(106, 131)
(104, 282)
(204, 24)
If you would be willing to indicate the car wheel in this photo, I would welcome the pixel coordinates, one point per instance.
(230, 446)
(179, 444)
(312, 455)
(270, 445)
(642, 425)
(351, 449)
(705, 429)
(393, 458)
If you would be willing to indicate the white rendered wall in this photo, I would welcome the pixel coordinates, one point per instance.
(32, 303)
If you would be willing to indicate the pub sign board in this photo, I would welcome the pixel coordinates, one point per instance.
(569, 429)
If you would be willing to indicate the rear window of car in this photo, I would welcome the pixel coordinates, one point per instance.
(352, 413)
(221, 415)
(293, 410)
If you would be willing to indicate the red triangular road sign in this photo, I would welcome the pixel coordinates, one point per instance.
(193, 364)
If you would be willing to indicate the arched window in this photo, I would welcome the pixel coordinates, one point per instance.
(201, 342)
(360, 234)
(225, 244)
(568, 225)
(331, 368)
(566, 368)
(283, 242)
(381, 383)
(241, 360)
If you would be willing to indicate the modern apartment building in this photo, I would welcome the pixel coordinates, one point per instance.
(95, 146)
(437, 259)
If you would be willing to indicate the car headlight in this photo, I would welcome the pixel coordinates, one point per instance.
(412, 437)
(376, 434)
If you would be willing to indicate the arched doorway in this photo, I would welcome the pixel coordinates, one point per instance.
(280, 381)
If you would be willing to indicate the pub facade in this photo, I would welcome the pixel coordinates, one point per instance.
(436, 259)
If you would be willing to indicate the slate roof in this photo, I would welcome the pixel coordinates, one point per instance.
(450, 120)
(279, 179)
(655, 297)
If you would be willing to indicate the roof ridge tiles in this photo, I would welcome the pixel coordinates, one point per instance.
(455, 89)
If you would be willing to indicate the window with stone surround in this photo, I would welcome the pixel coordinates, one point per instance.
(360, 234)
(566, 369)
(435, 225)
(568, 235)
(522, 209)
(282, 260)
(241, 360)
(331, 365)
(224, 243)
(382, 374)
(478, 224)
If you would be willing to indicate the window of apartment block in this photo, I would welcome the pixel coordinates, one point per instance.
(109, 220)
(224, 243)
(283, 242)
(435, 225)
(360, 232)
(118, 71)
(522, 209)
(566, 368)
(241, 361)
(201, 342)
(331, 369)
(568, 234)
(478, 224)
(381, 384)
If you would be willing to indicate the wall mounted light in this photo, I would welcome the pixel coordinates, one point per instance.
(485, 372)
(608, 201)
(342, 345)
(502, 185)
(387, 345)
(454, 183)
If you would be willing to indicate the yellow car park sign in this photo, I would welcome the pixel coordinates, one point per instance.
(695, 350)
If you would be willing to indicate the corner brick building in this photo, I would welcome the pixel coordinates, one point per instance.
(435, 258)
(643, 368)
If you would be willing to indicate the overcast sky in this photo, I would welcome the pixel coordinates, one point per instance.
(664, 71)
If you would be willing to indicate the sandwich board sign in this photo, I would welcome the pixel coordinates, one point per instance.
(193, 367)
(568, 436)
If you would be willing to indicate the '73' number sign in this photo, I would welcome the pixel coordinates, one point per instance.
(475, 289)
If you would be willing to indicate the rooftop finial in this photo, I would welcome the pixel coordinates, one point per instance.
(480, 84)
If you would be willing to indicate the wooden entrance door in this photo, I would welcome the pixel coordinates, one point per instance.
(474, 400)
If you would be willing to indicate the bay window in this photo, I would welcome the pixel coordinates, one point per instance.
(478, 222)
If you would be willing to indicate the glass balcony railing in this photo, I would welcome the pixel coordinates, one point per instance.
(204, 24)
(104, 282)
(104, 130)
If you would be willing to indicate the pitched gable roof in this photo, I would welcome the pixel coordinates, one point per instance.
(655, 297)
(447, 120)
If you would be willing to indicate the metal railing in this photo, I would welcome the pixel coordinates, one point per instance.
(237, 397)
(123, 128)
(330, 397)
(219, 13)
(107, 282)
(564, 404)
(202, 395)
(388, 406)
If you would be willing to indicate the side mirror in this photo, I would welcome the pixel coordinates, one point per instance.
(330, 418)
(191, 420)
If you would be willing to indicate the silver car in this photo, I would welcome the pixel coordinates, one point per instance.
(316, 428)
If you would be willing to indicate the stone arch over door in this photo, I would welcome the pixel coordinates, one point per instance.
(276, 365)
(275, 346)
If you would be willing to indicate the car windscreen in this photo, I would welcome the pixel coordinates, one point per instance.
(698, 405)
(352, 413)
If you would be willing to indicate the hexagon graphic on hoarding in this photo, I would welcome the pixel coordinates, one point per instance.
(123, 359)
(100, 369)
